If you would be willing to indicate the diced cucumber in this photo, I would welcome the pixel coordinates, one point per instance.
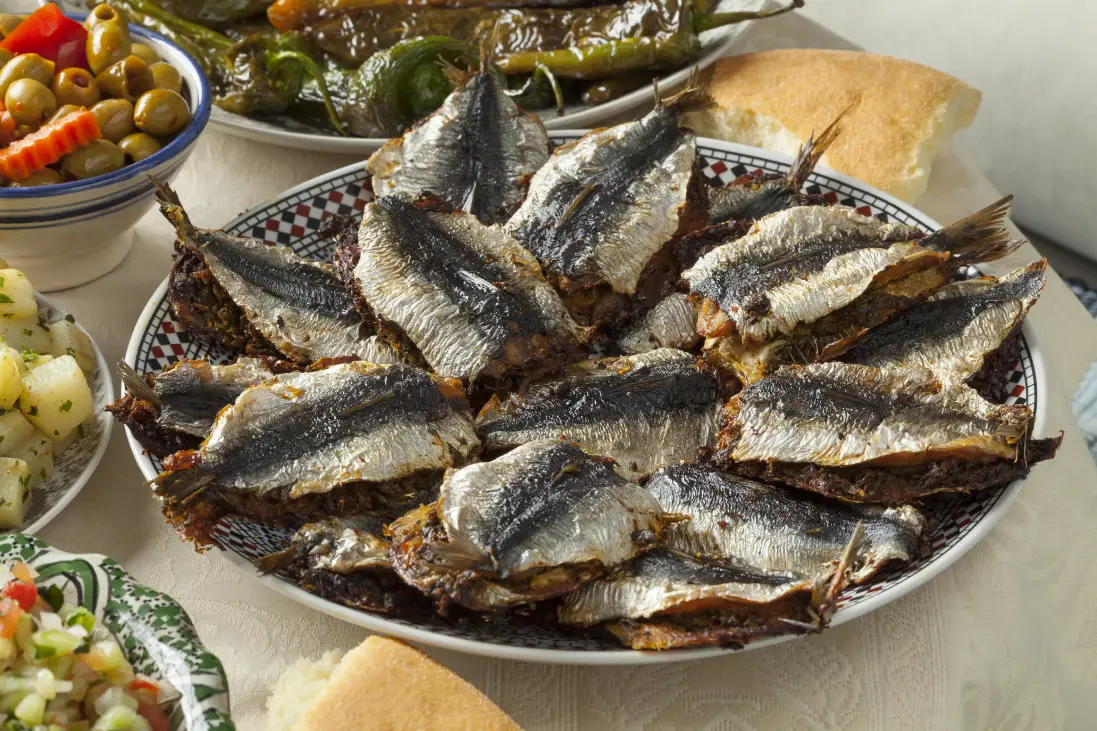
(54, 642)
(82, 617)
(31, 709)
(118, 718)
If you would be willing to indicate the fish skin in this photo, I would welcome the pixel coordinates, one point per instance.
(746, 545)
(601, 208)
(532, 524)
(953, 332)
(670, 324)
(839, 415)
(643, 411)
(297, 304)
(310, 433)
(467, 295)
(192, 392)
(477, 152)
(343, 545)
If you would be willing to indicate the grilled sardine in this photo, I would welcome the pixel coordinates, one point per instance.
(872, 435)
(477, 152)
(260, 299)
(533, 524)
(670, 324)
(602, 208)
(799, 265)
(750, 558)
(467, 296)
(643, 411)
(320, 444)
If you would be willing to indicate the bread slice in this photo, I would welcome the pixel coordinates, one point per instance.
(900, 114)
(382, 685)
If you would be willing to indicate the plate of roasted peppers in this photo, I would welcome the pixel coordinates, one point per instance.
(346, 75)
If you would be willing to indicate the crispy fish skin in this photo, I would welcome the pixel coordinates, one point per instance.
(320, 444)
(912, 434)
(750, 558)
(296, 305)
(800, 264)
(670, 324)
(954, 332)
(752, 197)
(533, 524)
(601, 208)
(477, 152)
(643, 411)
(470, 299)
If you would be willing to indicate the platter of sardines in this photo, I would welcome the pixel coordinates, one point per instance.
(618, 396)
(345, 76)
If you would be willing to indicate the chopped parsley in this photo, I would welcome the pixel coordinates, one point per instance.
(4, 299)
(25, 480)
(32, 411)
(80, 429)
(65, 406)
(29, 355)
(28, 332)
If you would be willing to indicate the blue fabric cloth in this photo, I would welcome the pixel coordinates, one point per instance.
(1084, 405)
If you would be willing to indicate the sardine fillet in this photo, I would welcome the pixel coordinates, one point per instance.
(670, 324)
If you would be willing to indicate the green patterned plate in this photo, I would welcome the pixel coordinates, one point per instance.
(155, 633)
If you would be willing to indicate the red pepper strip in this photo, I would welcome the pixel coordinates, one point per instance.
(52, 36)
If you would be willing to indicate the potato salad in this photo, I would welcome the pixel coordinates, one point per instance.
(45, 399)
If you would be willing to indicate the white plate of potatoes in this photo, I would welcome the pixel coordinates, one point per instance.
(54, 385)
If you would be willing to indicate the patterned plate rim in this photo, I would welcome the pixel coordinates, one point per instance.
(940, 561)
(106, 425)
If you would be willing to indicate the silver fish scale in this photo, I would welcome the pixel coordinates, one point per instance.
(745, 542)
(607, 408)
(548, 504)
(672, 323)
(837, 414)
(436, 156)
(953, 332)
(194, 391)
(797, 265)
(641, 223)
(454, 343)
(312, 431)
(296, 331)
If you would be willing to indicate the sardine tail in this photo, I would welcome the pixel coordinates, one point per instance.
(135, 384)
(180, 485)
(693, 98)
(982, 236)
(274, 561)
(814, 149)
(172, 209)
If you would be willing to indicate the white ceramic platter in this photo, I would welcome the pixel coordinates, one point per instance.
(956, 522)
(288, 133)
(73, 469)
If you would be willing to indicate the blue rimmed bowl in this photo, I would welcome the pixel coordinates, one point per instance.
(67, 234)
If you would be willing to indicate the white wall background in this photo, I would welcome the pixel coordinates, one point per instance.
(1036, 64)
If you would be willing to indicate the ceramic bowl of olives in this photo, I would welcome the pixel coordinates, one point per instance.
(91, 109)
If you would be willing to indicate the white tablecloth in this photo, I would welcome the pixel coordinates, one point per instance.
(1005, 639)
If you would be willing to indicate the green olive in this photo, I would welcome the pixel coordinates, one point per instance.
(127, 79)
(161, 113)
(5, 56)
(138, 146)
(115, 117)
(102, 13)
(107, 44)
(145, 52)
(75, 86)
(22, 130)
(8, 21)
(48, 176)
(25, 66)
(65, 110)
(166, 76)
(95, 158)
(29, 101)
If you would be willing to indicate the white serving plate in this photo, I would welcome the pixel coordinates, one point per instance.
(714, 44)
(956, 522)
(73, 469)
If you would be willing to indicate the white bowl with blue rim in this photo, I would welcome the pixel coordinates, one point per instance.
(68, 234)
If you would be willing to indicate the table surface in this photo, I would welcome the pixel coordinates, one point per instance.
(1003, 639)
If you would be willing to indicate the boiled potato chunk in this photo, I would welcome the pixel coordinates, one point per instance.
(71, 340)
(17, 357)
(14, 430)
(25, 333)
(11, 374)
(37, 452)
(16, 295)
(56, 397)
(14, 492)
(36, 360)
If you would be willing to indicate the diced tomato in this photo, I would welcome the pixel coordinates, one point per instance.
(154, 715)
(51, 35)
(21, 592)
(140, 684)
(10, 612)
